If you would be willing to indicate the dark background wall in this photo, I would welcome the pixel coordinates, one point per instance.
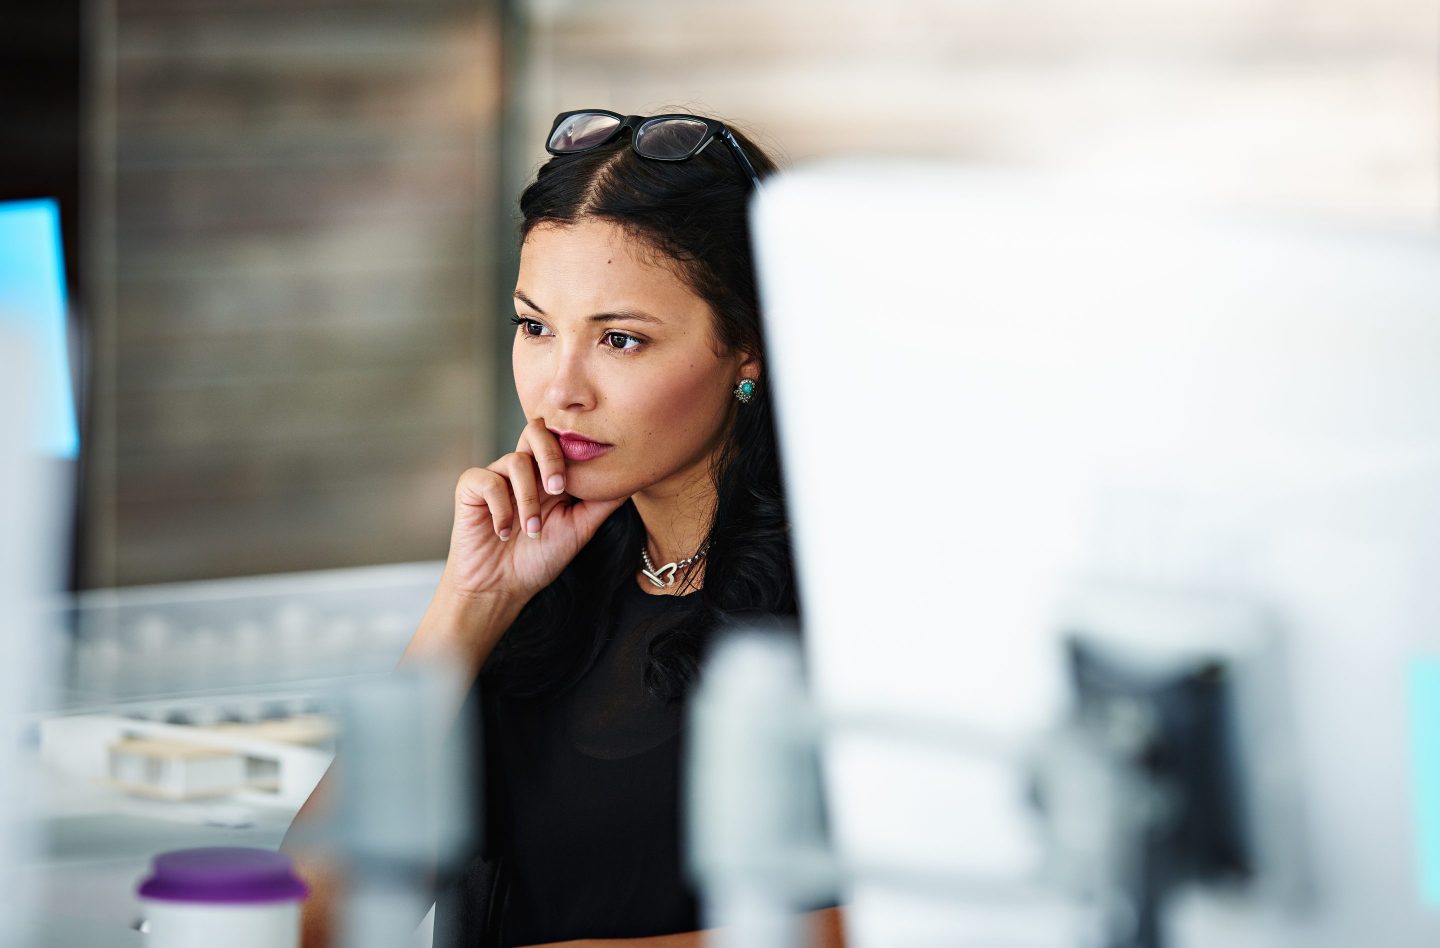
(40, 116)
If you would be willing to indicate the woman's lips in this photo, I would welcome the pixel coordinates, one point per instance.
(576, 448)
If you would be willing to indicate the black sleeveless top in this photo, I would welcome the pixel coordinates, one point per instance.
(584, 809)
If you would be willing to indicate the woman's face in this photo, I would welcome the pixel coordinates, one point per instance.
(614, 348)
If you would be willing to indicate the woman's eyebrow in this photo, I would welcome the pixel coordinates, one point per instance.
(634, 314)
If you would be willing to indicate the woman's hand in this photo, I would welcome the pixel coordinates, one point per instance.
(515, 528)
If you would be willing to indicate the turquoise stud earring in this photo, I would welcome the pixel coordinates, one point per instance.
(745, 390)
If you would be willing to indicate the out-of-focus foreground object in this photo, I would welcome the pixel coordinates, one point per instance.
(755, 824)
(403, 798)
(223, 897)
(29, 576)
(1159, 519)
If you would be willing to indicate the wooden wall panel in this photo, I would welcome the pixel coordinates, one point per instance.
(297, 212)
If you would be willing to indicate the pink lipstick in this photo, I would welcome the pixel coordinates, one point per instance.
(578, 448)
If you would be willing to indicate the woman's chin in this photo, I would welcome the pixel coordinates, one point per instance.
(596, 489)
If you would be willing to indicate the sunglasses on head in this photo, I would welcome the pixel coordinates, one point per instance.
(660, 137)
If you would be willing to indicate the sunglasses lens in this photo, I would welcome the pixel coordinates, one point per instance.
(670, 138)
(583, 131)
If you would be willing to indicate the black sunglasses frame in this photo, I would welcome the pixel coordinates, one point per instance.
(636, 123)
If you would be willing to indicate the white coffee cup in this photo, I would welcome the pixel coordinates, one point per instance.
(223, 897)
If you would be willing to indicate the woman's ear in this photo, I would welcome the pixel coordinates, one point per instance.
(750, 367)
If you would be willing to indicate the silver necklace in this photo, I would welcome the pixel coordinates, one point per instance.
(665, 575)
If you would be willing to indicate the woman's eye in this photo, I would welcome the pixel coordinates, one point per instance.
(621, 340)
(528, 327)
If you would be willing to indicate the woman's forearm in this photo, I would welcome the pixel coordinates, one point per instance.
(460, 630)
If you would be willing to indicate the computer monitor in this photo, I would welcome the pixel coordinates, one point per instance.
(1009, 410)
(35, 305)
(33, 302)
(38, 435)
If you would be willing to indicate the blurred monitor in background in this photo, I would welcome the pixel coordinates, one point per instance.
(34, 308)
(1063, 464)
(37, 433)
(33, 302)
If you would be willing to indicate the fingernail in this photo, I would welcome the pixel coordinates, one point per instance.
(505, 534)
(556, 483)
(532, 527)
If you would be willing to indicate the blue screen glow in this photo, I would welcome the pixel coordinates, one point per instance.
(1425, 753)
(32, 300)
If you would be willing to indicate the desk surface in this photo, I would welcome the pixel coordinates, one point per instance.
(55, 931)
(86, 876)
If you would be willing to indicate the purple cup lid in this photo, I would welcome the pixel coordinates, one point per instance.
(230, 875)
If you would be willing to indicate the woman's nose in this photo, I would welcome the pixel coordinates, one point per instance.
(570, 386)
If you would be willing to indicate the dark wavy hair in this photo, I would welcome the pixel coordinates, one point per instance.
(693, 216)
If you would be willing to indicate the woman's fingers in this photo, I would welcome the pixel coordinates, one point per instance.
(509, 490)
(519, 469)
(537, 441)
(521, 489)
(483, 487)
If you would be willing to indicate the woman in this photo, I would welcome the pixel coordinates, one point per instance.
(641, 506)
